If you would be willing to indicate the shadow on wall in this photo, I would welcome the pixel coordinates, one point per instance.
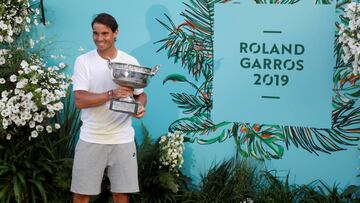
(161, 110)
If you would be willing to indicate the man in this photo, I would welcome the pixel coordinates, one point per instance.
(106, 137)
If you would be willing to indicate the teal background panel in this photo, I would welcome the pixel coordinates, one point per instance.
(270, 85)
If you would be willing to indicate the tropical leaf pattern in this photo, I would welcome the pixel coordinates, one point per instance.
(191, 43)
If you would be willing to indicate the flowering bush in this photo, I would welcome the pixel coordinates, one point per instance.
(16, 17)
(31, 95)
(171, 151)
(349, 36)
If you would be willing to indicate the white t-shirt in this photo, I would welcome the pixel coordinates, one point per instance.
(100, 125)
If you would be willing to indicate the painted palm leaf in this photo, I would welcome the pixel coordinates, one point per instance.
(258, 141)
(191, 42)
(289, 1)
(276, 1)
(197, 124)
(191, 103)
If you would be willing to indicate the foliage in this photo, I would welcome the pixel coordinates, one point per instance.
(191, 43)
(157, 182)
(27, 167)
(16, 17)
(32, 103)
(275, 189)
(228, 181)
(31, 95)
(241, 180)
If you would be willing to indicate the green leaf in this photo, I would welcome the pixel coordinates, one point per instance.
(167, 180)
(21, 178)
(16, 188)
(175, 78)
(356, 94)
(40, 188)
(3, 191)
(350, 190)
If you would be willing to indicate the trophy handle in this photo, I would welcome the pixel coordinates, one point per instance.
(154, 70)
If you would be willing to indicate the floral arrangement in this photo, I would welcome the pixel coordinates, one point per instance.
(31, 96)
(31, 92)
(171, 151)
(15, 17)
(349, 36)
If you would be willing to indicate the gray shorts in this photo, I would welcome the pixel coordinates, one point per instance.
(92, 159)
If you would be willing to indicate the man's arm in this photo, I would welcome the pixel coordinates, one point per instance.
(84, 99)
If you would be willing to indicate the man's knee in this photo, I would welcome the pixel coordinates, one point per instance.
(120, 198)
(79, 198)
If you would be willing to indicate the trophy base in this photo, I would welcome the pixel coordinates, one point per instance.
(124, 106)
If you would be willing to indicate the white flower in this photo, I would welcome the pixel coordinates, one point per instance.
(29, 95)
(5, 123)
(8, 136)
(24, 64)
(3, 26)
(2, 61)
(27, 70)
(31, 43)
(34, 80)
(2, 81)
(62, 65)
(39, 128)
(163, 138)
(57, 126)
(10, 33)
(52, 80)
(58, 106)
(34, 67)
(9, 39)
(18, 19)
(32, 124)
(13, 78)
(34, 134)
(49, 128)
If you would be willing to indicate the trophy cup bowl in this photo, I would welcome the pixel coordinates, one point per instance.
(130, 76)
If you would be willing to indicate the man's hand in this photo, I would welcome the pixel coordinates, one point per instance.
(123, 92)
(141, 111)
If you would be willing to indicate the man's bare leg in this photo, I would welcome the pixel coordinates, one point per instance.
(78, 198)
(120, 198)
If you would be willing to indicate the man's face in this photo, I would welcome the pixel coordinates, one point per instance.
(103, 36)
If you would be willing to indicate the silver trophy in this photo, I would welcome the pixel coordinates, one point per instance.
(130, 76)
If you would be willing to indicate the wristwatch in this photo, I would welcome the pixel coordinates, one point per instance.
(110, 94)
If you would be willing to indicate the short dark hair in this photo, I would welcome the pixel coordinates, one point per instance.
(105, 19)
